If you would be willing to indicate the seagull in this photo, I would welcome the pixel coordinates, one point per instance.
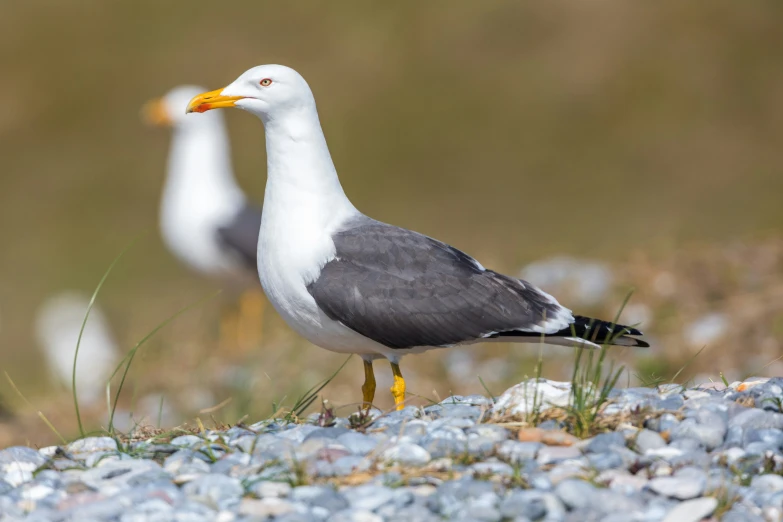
(58, 325)
(351, 284)
(205, 218)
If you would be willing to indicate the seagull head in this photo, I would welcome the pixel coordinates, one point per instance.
(268, 91)
(169, 110)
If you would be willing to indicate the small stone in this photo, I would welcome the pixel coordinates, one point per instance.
(491, 432)
(648, 440)
(232, 464)
(528, 503)
(707, 427)
(515, 452)
(530, 396)
(460, 411)
(753, 418)
(320, 496)
(749, 383)
(298, 433)
(218, 491)
(548, 437)
(407, 455)
(604, 442)
(186, 461)
(768, 483)
(49, 451)
(82, 448)
(770, 437)
(484, 469)
(357, 443)
(692, 510)
(187, 441)
(347, 465)
(622, 481)
(470, 400)
(21, 454)
(116, 476)
(267, 507)
(576, 468)
(269, 489)
(18, 463)
(604, 461)
(687, 483)
(327, 433)
(553, 454)
(369, 497)
(355, 515)
(576, 494)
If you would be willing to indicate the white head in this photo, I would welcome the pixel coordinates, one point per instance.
(268, 91)
(169, 111)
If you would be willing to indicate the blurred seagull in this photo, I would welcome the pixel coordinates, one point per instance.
(351, 284)
(57, 327)
(205, 219)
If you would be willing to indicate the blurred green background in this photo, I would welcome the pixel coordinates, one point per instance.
(615, 131)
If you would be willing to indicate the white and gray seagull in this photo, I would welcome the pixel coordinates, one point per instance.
(205, 219)
(351, 284)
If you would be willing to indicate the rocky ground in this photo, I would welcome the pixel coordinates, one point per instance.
(652, 454)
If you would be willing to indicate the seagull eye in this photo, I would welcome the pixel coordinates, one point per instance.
(266, 82)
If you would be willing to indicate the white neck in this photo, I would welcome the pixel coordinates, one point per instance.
(199, 164)
(302, 182)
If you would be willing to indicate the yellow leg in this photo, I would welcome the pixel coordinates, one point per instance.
(398, 388)
(368, 388)
(250, 322)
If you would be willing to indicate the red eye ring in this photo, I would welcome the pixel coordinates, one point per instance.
(266, 82)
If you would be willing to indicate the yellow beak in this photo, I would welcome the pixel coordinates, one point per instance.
(154, 113)
(211, 100)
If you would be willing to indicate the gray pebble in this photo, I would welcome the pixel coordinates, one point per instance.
(116, 476)
(320, 496)
(515, 452)
(347, 465)
(648, 440)
(187, 441)
(575, 494)
(687, 483)
(605, 442)
(215, 491)
(528, 503)
(692, 510)
(357, 443)
(604, 461)
(81, 448)
(355, 515)
(369, 497)
(407, 454)
(489, 469)
(554, 454)
(707, 427)
(269, 489)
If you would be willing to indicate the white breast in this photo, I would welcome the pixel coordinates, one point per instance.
(293, 247)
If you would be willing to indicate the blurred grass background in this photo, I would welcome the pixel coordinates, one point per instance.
(643, 135)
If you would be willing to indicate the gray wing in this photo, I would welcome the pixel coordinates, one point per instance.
(403, 289)
(241, 235)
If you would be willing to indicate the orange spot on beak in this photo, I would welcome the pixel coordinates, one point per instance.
(211, 100)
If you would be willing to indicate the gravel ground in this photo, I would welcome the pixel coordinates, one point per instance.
(673, 455)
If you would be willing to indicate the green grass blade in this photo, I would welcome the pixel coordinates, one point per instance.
(484, 385)
(84, 324)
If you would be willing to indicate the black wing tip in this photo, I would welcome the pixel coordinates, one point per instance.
(638, 343)
(606, 332)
